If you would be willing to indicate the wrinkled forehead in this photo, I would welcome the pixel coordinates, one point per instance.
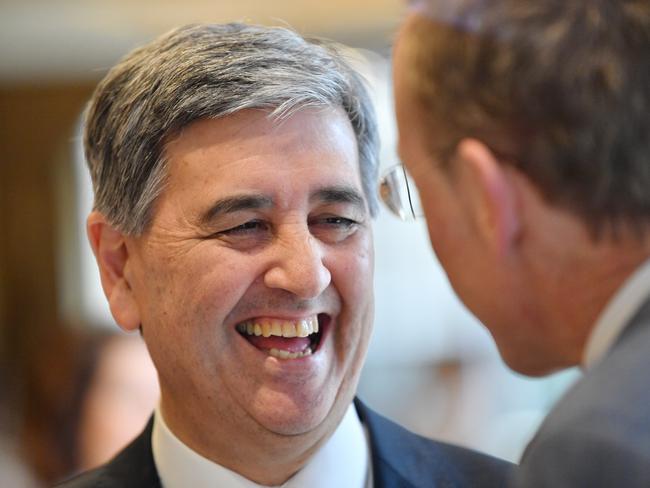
(260, 138)
(243, 129)
(249, 150)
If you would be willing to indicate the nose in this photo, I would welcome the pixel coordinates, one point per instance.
(298, 266)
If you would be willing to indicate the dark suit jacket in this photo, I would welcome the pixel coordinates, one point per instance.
(598, 435)
(399, 459)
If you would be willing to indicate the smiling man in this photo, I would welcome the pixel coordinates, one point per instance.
(234, 170)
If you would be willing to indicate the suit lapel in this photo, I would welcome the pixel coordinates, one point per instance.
(383, 472)
(134, 467)
(402, 459)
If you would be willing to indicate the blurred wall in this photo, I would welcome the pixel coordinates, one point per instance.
(36, 126)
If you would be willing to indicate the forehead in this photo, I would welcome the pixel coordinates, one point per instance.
(249, 151)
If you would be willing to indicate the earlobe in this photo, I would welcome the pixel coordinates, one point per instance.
(109, 246)
(496, 211)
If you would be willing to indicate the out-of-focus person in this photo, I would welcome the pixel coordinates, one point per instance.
(87, 394)
(525, 125)
(234, 171)
(123, 391)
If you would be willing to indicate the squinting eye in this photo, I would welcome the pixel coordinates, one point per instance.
(249, 227)
(333, 228)
(339, 221)
(245, 237)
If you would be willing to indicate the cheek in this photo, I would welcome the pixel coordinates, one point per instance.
(352, 272)
(442, 220)
(184, 303)
(202, 281)
(352, 276)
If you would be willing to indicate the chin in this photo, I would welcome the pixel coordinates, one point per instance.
(286, 415)
(529, 362)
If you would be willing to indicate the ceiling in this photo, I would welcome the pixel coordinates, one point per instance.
(79, 39)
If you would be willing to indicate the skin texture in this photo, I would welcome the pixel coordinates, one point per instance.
(301, 249)
(529, 270)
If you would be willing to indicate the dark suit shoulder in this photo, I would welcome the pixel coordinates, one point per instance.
(403, 459)
(133, 467)
(599, 434)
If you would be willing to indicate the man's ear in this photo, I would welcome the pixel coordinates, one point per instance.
(112, 257)
(494, 202)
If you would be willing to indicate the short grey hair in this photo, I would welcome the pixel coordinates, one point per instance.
(209, 71)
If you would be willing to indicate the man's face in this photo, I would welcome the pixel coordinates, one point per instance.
(493, 284)
(261, 237)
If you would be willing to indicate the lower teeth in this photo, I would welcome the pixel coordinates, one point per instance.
(282, 354)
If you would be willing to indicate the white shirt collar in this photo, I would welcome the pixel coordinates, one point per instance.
(344, 460)
(617, 314)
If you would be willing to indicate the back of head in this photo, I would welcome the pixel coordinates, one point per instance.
(559, 89)
(208, 71)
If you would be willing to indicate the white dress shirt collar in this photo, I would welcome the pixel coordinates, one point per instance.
(617, 314)
(344, 460)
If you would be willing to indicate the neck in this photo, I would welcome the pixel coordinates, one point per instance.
(585, 277)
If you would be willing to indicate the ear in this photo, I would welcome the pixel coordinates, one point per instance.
(112, 255)
(493, 195)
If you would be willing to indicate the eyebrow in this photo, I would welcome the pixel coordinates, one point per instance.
(339, 194)
(331, 194)
(235, 204)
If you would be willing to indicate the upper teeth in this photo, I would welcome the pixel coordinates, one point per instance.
(281, 328)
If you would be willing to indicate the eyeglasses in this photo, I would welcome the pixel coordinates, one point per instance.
(398, 192)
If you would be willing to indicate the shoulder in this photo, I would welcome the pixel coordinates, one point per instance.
(611, 400)
(133, 467)
(402, 458)
(599, 433)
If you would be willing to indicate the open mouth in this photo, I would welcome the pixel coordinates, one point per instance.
(285, 339)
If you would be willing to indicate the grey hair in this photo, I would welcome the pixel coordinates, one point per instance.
(209, 71)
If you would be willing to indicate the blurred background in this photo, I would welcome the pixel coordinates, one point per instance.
(72, 389)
